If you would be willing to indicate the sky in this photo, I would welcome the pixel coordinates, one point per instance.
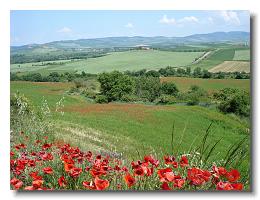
(38, 26)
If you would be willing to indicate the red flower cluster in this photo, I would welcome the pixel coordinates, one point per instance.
(52, 166)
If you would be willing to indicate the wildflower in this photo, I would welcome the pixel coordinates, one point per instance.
(101, 184)
(233, 175)
(62, 182)
(47, 170)
(16, 183)
(130, 181)
(184, 161)
(165, 186)
(75, 172)
(89, 185)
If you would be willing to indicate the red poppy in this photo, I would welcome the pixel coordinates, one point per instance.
(47, 170)
(68, 166)
(16, 183)
(31, 163)
(89, 185)
(233, 175)
(198, 176)
(162, 173)
(12, 154)
(101, 184)
(184, 161)
(169, 159)
(29, 188)
(221, 171)
(165, 186)
(75, 172)
(35, 176)
(37, 184)
(62, 182)
(179, 183)
(46, 146)
(237, 186)
(130, 181)
(139, 171)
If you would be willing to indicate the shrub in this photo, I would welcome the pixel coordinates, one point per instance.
(101, 99)
(169, 88)
(129, 98)
(115, 84)
(233, 101)
(148, 88)
(166, 99)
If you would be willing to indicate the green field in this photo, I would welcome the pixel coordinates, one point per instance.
(242, 55)
(128, 128)
(121, 61)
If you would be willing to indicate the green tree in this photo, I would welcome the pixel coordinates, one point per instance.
(115, 85)
(169, 88)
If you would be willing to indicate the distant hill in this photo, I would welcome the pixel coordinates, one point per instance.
(110, 42)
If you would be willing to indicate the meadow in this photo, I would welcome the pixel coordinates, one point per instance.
(121, 61)
(210, 85)
(134, 130)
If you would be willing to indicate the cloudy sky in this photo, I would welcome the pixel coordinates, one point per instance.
(29, 27)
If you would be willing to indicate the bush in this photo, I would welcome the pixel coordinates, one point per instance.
(233, 101)
(166, 99)
(169, 88)
(101, 99)
(148, 88)
(115, 84)
(129, 98)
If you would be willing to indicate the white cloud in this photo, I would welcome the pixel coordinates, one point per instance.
(64, 30)
(210, 19)
(166, 20)
(188, 19)
(230, 17)
(179, 22)
(129, 25)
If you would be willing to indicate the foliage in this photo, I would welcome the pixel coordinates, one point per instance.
(147, 88)
(101, 99)
(169, 88)
(115, 85)
(233, 101)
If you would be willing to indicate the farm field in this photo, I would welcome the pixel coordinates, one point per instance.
(209, 85)
(121, 61)
(232, 66)
(242, 55)
(125, 128)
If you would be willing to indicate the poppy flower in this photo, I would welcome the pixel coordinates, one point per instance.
(221, 171)
(46, 146)
(165, 186)
(198, 176)
(233, 175)
(130, 181)
(161, 173)
(168, 159)
(178, 183)
(184, 161)
(237, 186)
(47, 170)
(35, 176)
(229, 186)
(62, 182)
(139, 171)
(75, 172)
(89, 185)
(101, 184)
(12, 154)
(29, 188)
(37, 183)
(16, 183)
(68, 166)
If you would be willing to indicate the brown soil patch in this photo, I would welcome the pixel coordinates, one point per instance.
(137, 111)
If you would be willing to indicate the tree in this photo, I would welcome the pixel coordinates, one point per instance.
(115, 85)
(197, 72)
(169, 88)
(148, 87)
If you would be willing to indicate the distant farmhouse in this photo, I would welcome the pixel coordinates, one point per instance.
(143, 47)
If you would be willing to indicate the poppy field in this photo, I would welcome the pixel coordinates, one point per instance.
(54, 166)
(50, 152)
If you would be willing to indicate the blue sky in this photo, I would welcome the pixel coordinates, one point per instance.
(29, 27)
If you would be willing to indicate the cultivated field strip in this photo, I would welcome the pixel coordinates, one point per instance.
(232, 66)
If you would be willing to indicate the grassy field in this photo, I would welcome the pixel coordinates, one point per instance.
(232, 66)
(121, 61)
(128, 128)
(242, 55)
(209, 85)
(216, 57)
